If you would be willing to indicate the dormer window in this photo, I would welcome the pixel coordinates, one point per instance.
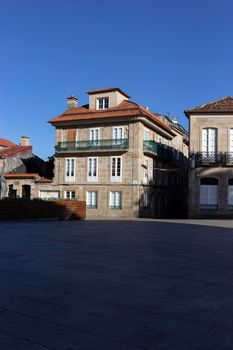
(102, 103)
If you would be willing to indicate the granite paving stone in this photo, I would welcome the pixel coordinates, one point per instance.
(116, 284)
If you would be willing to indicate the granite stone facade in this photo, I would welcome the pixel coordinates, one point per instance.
(132, 152)
(211, 162)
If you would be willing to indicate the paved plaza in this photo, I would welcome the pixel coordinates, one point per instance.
(116, 285)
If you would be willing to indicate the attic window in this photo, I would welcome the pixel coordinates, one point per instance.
(102, 103)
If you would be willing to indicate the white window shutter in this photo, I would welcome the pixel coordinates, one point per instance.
(204, 194)
(209, 195)
(213, 195)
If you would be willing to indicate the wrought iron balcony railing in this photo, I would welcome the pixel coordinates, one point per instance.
(112, 144)
(213, 159)
(158, 149)
(229, 158)
(209, 158)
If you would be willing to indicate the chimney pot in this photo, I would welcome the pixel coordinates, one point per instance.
(72, 102)
(24, 141)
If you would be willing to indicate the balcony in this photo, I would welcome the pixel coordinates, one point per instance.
(229, 158)
(209, 159)
(214, 159)
(158, 149)
(90, 145)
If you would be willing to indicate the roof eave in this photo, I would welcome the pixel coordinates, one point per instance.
(189, 112)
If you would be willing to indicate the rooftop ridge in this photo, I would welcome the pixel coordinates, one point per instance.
(213, 105)
(109, 89)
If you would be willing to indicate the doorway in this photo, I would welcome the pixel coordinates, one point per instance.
(26, 191)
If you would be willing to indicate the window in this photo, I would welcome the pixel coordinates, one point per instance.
(145, 199)
(146, 171)
(209, 141)
(146, 135)
(209, 193)
(70, 170)
(91, 199)
(118, 134)
(92, 169)
(115, 200)
(230, 155)
(116, 168)
(94, 135)
(230, 194)
(102, 103)
(69, 194)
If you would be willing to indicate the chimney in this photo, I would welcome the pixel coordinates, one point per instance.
(24, 141)
(72, 102)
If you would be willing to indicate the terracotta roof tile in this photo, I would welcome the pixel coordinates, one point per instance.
(110, 89)
(11, 151)
(124, 109)
(224, 104)
(20, 176)
(6, 143)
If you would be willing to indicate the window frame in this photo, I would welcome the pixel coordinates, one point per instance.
(145, 199)
(146, 135)
(92, 206)
(209, 184)
(92, 178)
(230, 143)
(113, 133)
(68, 172)
(103, 99)
(116, 178)
(230, 200)
(208, 141)
(114, 195)
(146, 171)
(94, 139)
(66, 196)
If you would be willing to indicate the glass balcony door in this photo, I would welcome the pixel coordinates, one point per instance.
(118, 135)
(209, 144)
(94, 136)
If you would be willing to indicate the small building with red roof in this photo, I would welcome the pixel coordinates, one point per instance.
(25, 173)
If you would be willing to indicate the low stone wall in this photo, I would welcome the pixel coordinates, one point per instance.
(23, 209)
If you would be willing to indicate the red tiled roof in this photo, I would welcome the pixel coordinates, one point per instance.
(224, 104)
(124, 109)
(11, 151)
(6, 143)
(20, 176)
(110, 89)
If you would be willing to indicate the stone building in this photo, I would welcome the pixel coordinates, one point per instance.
(211, 159)
(124, 160)
(25, 173)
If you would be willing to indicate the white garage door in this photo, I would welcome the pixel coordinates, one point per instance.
(209, 197)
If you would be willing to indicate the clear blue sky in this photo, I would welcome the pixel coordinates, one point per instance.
(166, 54)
